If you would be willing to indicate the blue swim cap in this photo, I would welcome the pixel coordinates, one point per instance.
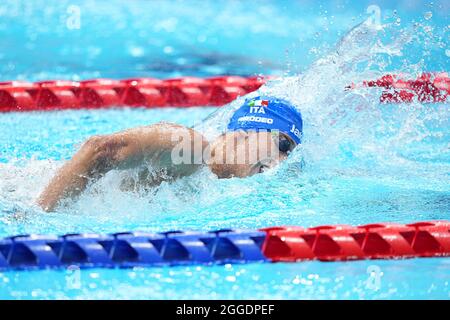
(268, 113)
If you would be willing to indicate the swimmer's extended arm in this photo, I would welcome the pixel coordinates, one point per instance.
(122, 150)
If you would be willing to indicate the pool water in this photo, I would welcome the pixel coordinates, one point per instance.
(360, 162)
(49, 39)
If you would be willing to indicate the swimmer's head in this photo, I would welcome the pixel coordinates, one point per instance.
(268, 114)
(261, 134)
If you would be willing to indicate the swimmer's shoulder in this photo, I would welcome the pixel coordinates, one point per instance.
(166, 133)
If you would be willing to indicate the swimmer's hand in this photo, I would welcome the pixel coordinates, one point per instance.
(123, 150)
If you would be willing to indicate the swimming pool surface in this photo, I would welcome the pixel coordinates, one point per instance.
(362, 162)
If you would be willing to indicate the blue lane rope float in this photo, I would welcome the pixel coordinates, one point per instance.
(132, 249)
(273, 244)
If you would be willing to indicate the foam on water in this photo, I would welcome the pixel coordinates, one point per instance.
(360, 162)
(349, 129)
(352, 147)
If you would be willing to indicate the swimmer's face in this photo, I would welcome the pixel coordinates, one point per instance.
(242, 154)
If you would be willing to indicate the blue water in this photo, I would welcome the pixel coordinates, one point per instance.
(42, 39)
(364, 162)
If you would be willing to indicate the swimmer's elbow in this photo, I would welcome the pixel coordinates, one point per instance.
(99, 154)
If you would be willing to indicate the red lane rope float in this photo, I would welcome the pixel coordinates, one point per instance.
(372, 241)
(104, 93)
(187, 92)
(427, 88)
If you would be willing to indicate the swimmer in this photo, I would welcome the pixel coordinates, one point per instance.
(260, 134)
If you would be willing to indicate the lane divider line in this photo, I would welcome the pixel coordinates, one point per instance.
(189, 92)
(273, 244)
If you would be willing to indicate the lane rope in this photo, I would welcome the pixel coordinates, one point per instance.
(189, 92)
(273, 244)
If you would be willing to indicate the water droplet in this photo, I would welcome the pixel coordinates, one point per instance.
(168, 50)
(136, 52)
(428, 15)
(447, 52)
(427, 29)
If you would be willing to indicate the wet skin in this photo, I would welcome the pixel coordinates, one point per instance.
(233, 154)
